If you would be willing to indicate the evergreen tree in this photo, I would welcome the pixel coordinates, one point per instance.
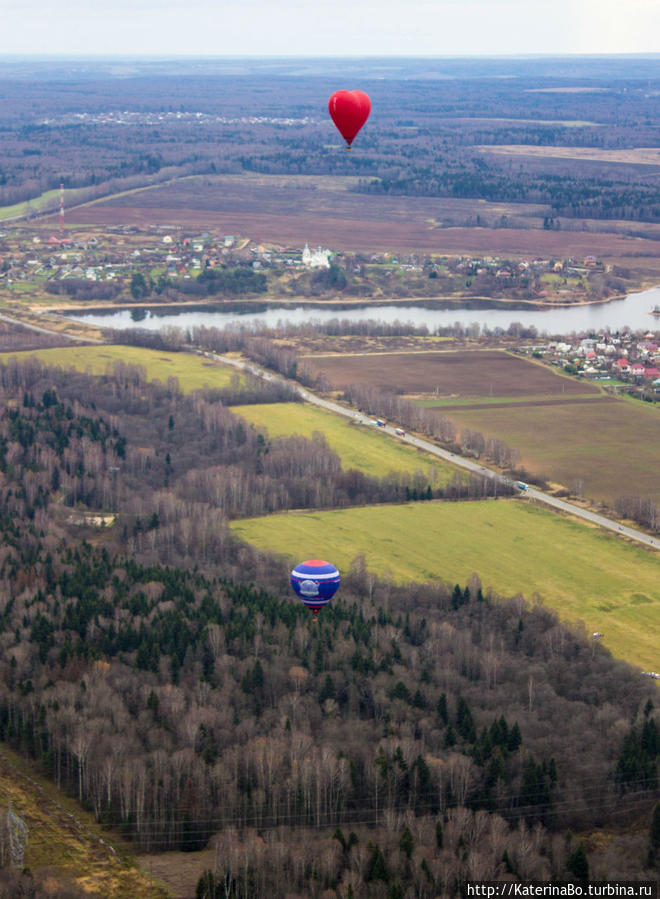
(377, 867)
(654, 837)
(578, 865)
(406, 842)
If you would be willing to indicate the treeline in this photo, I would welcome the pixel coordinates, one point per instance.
(16, 337)
(228, 282)
(570, 194)
(83, 289)
(388, 404)
(641, 509)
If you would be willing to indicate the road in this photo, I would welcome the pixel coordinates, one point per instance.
(51, 331)
(531, 493)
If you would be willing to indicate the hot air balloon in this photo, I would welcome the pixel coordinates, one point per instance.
(315, 582)
(349, 110)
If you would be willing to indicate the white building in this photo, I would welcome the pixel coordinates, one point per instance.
(317, 258)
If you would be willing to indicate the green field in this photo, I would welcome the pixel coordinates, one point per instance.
(192, 372)
(580, 572)
(49, 200)
(361, 447)
(613, 448)
(446, 402)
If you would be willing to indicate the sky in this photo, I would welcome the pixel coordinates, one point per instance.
(328, 27)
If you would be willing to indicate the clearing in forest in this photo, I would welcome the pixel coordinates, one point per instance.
(581, 572)
(359, 446)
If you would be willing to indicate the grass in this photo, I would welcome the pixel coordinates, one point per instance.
(47, 200)
(612, 447)
(363, 448)
(580, 572)
(497, 400)
(66, 840)
(192, 372)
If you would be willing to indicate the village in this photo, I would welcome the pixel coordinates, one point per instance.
(38, 256)
(625, 360)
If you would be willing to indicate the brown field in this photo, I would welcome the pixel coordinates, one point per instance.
(289, 211)
(637, 156)
(611, 447)
(466, 374)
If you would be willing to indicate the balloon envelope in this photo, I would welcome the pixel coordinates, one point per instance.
(315, 582)
(349, 110)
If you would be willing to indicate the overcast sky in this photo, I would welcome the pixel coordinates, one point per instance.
(328, 27)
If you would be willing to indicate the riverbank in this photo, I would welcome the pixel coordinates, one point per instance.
(457, 302)
(631, 311)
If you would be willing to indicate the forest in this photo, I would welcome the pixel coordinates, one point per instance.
(160, 671)
(430, 132)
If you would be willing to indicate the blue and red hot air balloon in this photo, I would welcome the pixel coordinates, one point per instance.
(315, 582)
(349, 110)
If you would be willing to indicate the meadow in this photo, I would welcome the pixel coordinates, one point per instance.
(580, 572)
(361, 447)
(191, 372)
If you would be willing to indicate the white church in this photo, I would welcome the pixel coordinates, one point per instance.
(317, 258)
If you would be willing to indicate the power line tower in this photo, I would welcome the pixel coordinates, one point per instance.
(62, 206)
(18, 832)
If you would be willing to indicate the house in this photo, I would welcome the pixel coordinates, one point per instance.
(636, 370)
(651, 373)
(621, 365)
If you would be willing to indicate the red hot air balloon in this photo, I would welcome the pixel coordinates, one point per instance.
(349, 110)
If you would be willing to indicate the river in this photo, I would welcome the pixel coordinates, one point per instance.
(631, 312)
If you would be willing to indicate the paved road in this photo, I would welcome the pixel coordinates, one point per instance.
(531, 493)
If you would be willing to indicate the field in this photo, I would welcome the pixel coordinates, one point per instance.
(290, 210)
(566, 430)
(636, 156)
(363, 448)
(611, 446)
(472, 374)
(192, 372)
(583, 574)
(65, 840)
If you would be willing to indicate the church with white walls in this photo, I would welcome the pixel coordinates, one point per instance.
(317, 258)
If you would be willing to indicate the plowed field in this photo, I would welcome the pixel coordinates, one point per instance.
(488, 373)
(292, 210)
